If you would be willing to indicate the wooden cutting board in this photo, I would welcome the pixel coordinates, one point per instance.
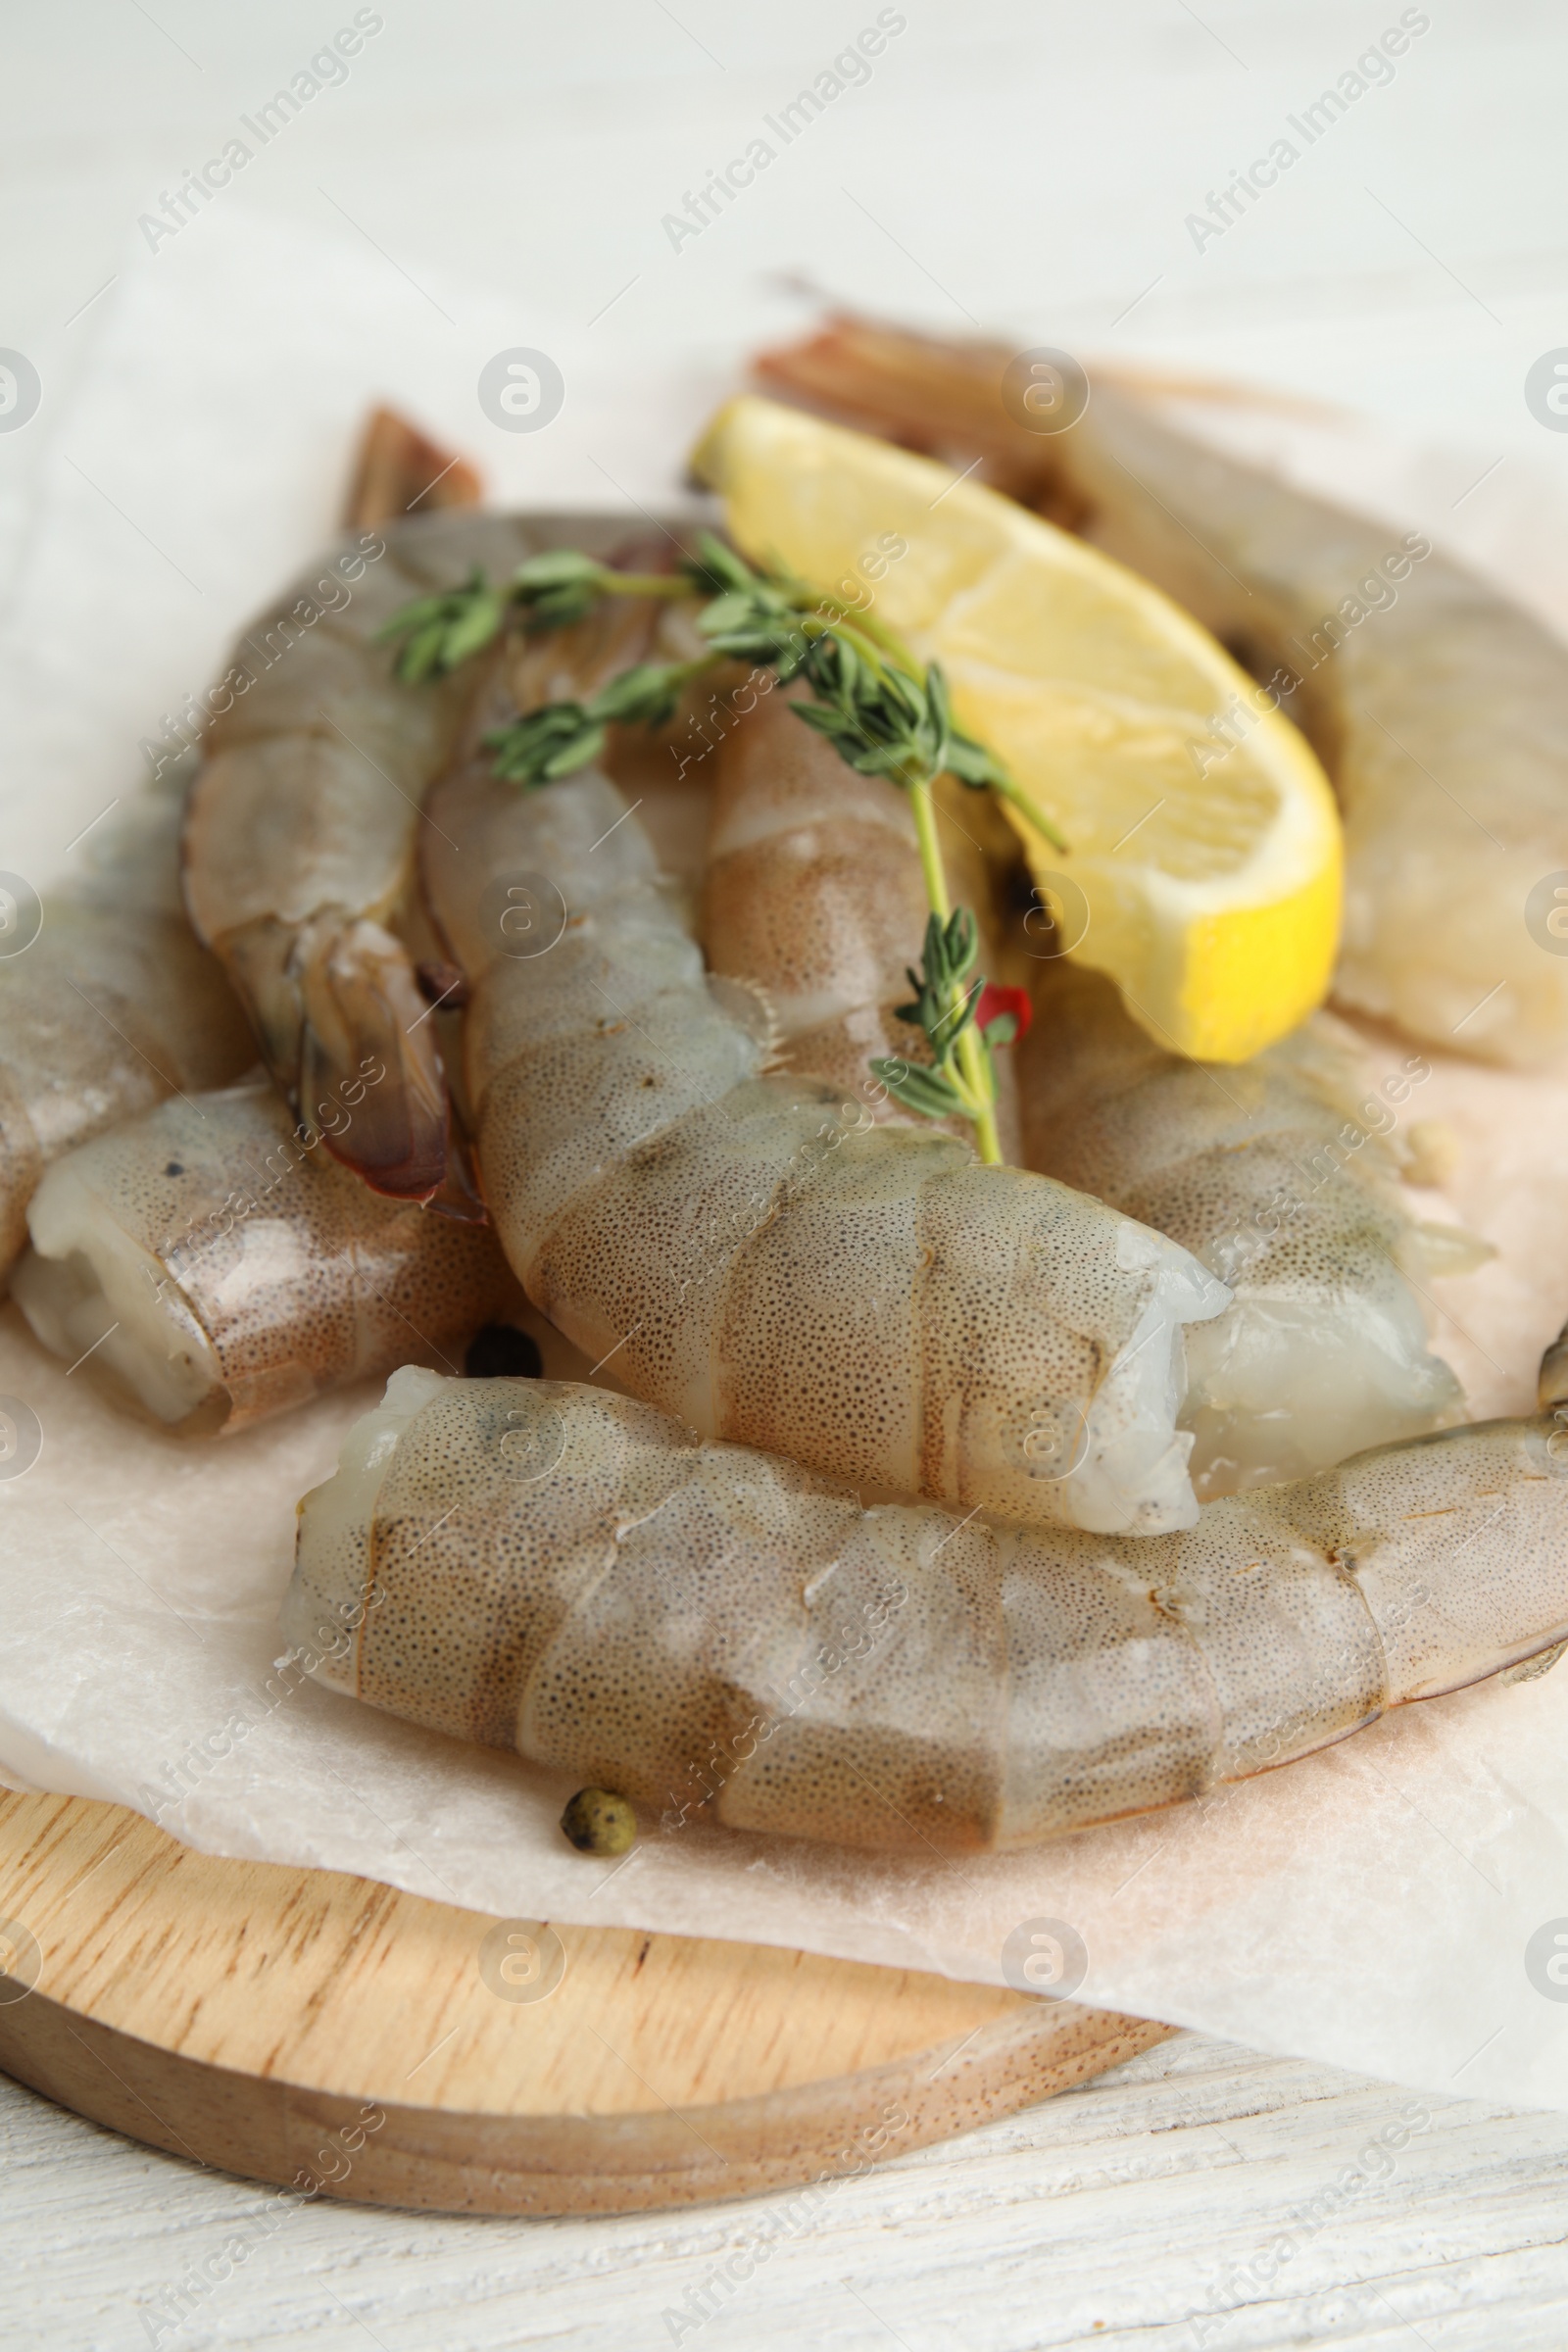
(336, 2037)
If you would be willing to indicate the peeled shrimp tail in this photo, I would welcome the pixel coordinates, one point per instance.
(112, 1006)
(1279, 1175)
(543, 1566)
(215, 1266)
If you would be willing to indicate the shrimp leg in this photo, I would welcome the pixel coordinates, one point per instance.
(542, 1566)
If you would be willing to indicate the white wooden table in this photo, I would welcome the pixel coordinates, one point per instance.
(1008, 162)
(1198, 2197)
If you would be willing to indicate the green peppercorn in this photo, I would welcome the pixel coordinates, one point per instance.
(599, 1822)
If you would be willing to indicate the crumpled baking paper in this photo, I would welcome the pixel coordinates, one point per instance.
(1374, 1906)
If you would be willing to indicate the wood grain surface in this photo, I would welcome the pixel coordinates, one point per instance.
(341, 2037)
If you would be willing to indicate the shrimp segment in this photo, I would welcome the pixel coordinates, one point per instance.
(1439, 708)
(215, 1269)
(113, 1006)
(542, 1566)
(761, 1257)
(1278, 1175)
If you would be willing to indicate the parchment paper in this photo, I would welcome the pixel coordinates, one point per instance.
(1370, 1906)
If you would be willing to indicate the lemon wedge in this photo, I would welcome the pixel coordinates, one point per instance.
(1205, 862)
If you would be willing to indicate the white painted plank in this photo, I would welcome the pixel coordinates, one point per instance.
(1135, 2213)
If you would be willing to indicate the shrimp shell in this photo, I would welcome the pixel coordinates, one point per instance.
(813, 890)
(814, 895)
(542, 1566)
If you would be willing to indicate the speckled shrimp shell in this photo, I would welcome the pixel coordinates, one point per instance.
(112, 1006)
(751, 1251)
(299, 844)
(812, 890)
(215, 1266)
(541, 1566)
(1439, 708)
(814, 896)
(1280, 1175)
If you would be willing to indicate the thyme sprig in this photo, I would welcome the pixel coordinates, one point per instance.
(884, 712)
(947, 990)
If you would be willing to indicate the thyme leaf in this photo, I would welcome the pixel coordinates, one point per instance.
(930, 1093)
(440, 633)
(545, 744)
(558, 740)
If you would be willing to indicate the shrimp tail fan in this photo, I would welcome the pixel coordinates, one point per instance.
(338, 1012)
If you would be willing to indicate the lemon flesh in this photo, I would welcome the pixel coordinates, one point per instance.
(1204, 871)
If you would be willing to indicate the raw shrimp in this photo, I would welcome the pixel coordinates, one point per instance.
(748, 1248)
(1439, 708)
(112, 1006)
(213, 1265)
(813, 894)
(538, 1565)
(1280, 1175)
(299, 839)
